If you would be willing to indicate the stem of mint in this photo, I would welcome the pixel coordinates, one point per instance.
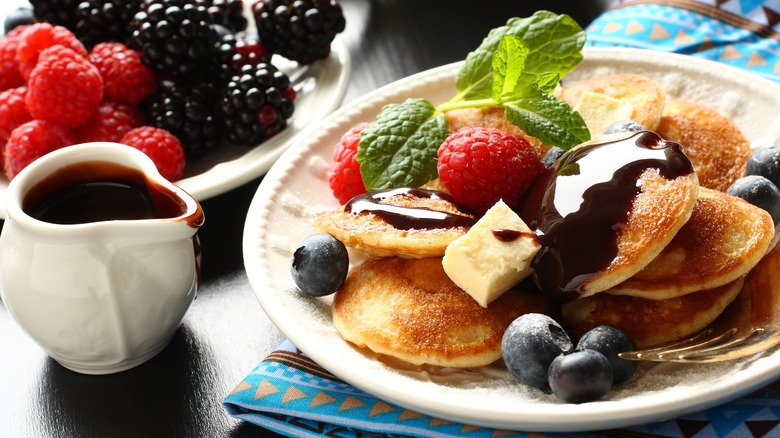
(517, 66)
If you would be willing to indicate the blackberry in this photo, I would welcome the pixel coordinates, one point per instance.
(237, 50)
(228, 13)
(256, 104)
(102, 21)
(57, 12)
(186, 109)
(175, 37)
(299, 30)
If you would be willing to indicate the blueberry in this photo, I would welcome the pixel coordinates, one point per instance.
(610, 342)
(319, 266)
(580, 377)
(530, 344)
(18, 17)
(760, 192)
(552, 155)
(626, 125)
(765, 162)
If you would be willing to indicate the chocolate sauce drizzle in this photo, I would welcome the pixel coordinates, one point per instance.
(407, 218)
(507, 235)
(582, 202)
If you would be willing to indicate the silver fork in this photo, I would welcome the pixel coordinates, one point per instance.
(711, 345)
(750, 325)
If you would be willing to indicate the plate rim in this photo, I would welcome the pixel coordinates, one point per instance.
(594, 416)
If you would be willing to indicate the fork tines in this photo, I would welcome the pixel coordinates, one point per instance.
(710, 346)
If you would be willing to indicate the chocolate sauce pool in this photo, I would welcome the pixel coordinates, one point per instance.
(407, 218)
(96, 191)
(579, 206)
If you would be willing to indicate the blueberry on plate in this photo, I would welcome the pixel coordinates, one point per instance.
(552, 155)
(319, 265)
(626, 125)
(580, 377)
(530, 344)
(610, 342)
(765, 162)
(760, 192)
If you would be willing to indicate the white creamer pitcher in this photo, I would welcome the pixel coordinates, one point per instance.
(98, 295)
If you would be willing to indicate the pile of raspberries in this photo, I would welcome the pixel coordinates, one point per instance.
(55, 93)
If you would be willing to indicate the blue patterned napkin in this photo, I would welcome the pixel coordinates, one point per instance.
(292, 395)
(741, 33)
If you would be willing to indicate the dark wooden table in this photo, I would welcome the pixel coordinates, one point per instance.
(225, 334)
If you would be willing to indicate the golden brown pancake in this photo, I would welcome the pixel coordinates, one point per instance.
(490, 117)
(715, 145)
(650, 322)
(724, 238)
(762, 285)
(646, 95)
(662, 207)
(409, 309)
(373, 236)
(758, 304)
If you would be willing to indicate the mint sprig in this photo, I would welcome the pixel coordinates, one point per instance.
(554, 46)
(401, 145)
(517, 66)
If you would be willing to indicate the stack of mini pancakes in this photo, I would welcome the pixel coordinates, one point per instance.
(701, 270)
(401, 303)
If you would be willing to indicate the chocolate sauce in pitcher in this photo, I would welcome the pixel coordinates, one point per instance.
(96, 191)
(578, 207)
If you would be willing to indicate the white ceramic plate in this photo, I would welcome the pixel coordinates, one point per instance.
(321, 87)
(295, 190)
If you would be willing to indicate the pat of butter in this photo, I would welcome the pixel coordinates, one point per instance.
(484, 265)
(599, 111)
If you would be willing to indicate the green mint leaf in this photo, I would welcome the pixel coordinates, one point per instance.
(546, 82)
(554, 42)
(508, 64)
(400, 148)
(550, 120)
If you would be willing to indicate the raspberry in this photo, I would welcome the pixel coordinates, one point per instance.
(480, 166)
(344, 176)
(10, 76)
(64, 87)
(40, 36)
(13, 112)
(161, 146)
(110, 123)
(17, 31)
(31, 141)
(125, 77)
